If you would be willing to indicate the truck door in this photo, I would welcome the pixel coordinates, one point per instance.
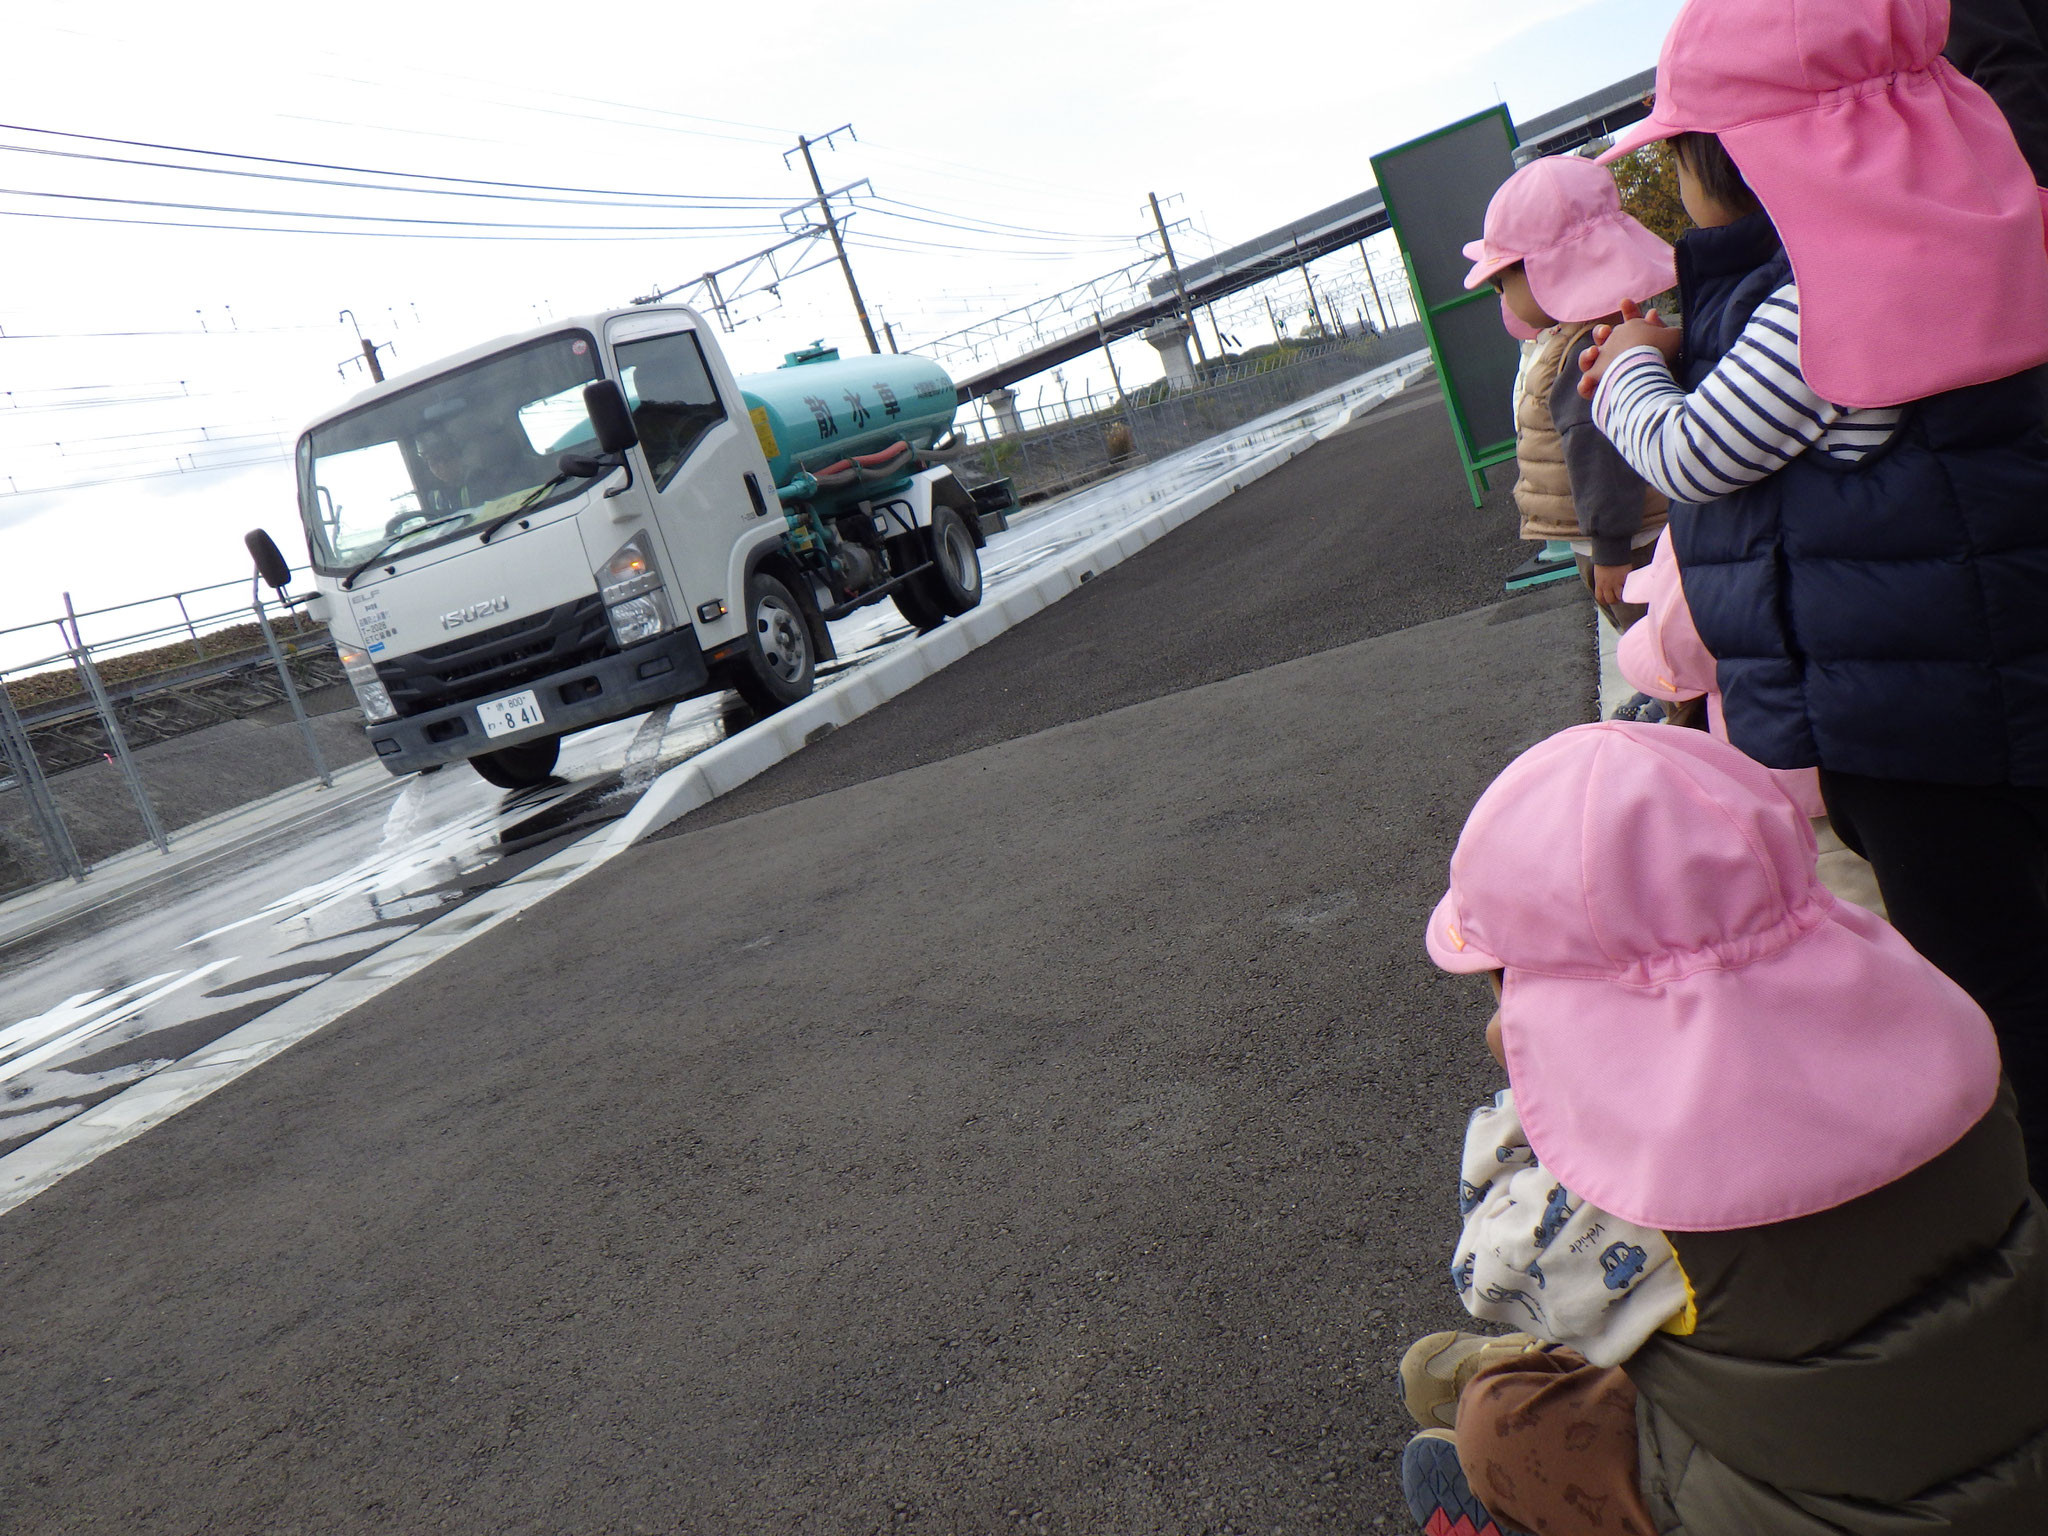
(700, 451)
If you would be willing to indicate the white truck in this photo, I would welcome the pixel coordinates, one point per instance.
(580, 523)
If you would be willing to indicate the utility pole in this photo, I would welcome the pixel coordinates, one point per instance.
(1180, 288)
(1279, 339)
(370, 349)
(803, 147)
(1314, 309)
(1102, 340)
(1366, 257)
(889, 331)
(718, 301)
(1222, 346)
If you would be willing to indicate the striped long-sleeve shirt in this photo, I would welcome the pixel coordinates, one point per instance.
(1749, 418)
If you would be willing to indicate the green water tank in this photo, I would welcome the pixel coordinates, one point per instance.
(819, 408)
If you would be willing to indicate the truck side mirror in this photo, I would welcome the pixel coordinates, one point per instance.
(606, 404)
(270, 561)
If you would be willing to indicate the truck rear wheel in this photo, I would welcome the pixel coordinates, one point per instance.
(520, 767)
(954, 581)
(916, 606)
(777, 667)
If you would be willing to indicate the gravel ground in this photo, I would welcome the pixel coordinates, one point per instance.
(1055, 1135)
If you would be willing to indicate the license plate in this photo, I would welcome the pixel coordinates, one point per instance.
(514, 712)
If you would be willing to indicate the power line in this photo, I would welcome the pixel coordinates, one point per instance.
(379, 218)
(874, 240)
(705, 205)
(367, 234)
(155, 474)
(992, 226)
(363, 170)
(247, 330)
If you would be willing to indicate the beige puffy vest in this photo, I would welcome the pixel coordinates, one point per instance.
(1544, 491)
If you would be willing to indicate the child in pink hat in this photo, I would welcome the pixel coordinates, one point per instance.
(1565, 256)
(1755, 1194)
(1850, 427)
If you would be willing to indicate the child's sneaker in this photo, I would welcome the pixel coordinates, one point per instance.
(1435, 1371)
(1438, 1496)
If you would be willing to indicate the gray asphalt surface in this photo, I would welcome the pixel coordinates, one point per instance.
(1370, 532)
(1055, 1135)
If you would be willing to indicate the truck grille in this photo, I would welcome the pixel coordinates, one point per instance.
(495, 661)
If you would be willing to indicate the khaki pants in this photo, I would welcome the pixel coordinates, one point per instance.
(1548, 1443)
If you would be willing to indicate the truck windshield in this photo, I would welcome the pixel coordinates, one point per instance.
(453, 452)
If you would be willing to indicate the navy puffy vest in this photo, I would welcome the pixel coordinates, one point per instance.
(1889, 617)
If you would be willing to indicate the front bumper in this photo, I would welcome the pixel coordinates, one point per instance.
(609, 688)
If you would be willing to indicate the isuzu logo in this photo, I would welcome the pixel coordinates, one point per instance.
(475, 611)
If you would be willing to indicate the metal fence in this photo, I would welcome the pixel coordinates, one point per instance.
(82, 697)
(1075, 442)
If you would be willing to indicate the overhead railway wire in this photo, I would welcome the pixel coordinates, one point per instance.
(361, 234)
(705, 204)
(375, 218)
(246, 330)
(991, 225)
(363, 170)
(206, 432)
(460, 186)
(877, 241)
(11, 408)
(154, 474)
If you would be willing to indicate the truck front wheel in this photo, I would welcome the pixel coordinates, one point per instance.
(776, 668)
(520, 767)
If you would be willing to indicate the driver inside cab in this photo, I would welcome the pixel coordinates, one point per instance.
(452, 463)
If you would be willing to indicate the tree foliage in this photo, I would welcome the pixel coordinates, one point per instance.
(1648, 180)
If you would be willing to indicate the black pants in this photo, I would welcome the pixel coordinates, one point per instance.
(2003, 46)
(1964, 873)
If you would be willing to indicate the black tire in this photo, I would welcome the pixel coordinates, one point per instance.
(520, 767)
(954, 582)
(778, 665)
(916, 606)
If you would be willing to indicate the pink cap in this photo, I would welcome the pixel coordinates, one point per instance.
(1561, 217)
(1879, 164)
(1699, 1036)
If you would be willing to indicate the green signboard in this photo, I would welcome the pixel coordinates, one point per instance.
(1436, 190)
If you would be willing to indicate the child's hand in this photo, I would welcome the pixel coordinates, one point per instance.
(1608, 581)
(1610, 341)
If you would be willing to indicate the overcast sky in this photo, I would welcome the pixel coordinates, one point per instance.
(1015, 142)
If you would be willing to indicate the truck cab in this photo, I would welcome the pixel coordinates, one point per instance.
(583, 522)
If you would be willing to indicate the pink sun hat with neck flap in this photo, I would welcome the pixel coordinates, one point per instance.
(1910, 216)
(1699, 1036)
(1562, 218)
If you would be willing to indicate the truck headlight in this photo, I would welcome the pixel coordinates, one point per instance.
(371, 693)
(635, 596)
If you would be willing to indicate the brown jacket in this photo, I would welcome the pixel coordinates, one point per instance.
(1880, 1369)
(1543, 492)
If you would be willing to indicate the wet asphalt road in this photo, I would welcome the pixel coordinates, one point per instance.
(103, 999)
(1031, 1111)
